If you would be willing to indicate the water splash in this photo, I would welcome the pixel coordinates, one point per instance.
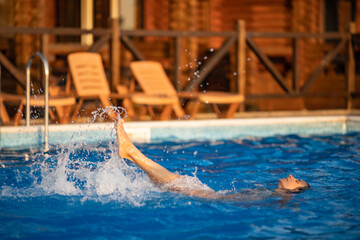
(94, 174)
(79, 169)
(116, 113)
(89, 172)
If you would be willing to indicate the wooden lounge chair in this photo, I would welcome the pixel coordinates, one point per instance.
(61, 103)
(88, 75)
(157, 90)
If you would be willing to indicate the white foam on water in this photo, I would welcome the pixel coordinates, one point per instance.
(66, 174)
(108, 180)
(91, 172)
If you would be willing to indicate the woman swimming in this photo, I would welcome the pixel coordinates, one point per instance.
(180, 183)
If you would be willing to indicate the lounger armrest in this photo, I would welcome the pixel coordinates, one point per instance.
(189, 95)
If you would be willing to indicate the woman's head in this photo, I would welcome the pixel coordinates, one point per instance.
(292, 184)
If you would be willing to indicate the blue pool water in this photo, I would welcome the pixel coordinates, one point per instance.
(84, 191)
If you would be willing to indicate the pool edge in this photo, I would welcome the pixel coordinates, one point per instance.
(179, 129)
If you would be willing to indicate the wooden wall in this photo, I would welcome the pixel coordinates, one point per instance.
(307, 17)
(186, 15)
(260, 16)
(31, 13)
(24, 17)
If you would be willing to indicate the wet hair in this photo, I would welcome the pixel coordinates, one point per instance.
(300, 189)
(307, 185)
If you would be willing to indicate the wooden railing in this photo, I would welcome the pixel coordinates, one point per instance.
(238, 37)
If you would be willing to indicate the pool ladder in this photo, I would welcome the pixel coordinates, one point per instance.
(46, 116)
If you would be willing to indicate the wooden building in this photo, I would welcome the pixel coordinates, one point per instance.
(278, 16)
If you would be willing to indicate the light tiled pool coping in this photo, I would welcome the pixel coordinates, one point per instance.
(181, 130)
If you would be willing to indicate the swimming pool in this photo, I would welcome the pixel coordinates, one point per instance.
(83, 190)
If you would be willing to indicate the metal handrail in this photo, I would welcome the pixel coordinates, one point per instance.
(0, 106)
(46, 117)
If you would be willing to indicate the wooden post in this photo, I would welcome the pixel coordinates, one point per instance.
(350, 67)
(241, 59)
(296, 64)
(45, 45)
(177, 70)
(115, 44)
(87, 17)
(115, 53)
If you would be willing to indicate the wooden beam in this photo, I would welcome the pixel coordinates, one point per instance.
(63, 31)
(268, 64)
(132, 48)
(177, 70)
(99, 43)
(324, 62)
(86, 20)
(296, 64)
(328, 35)
(350, 66)
(45, 45)
(297, 95)
(174, 33)
(19, 76)
(209, 66)
(241, 59)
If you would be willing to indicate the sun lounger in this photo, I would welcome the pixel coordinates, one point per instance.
(157, 90)
(88, 75)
